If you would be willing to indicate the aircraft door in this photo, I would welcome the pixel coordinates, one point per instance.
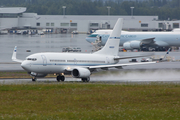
(44, 60)
(107, 59)
(75, 61)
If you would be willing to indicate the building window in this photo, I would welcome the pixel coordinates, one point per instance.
(74, 24)
(9, 15)
(160, 25)
(144, 25)
(37, 24)
(64, 24)
(175, 25)
(47, 24)
(52, 24)
(94, 24)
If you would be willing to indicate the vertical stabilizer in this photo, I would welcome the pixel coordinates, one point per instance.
(112, 45)
(14, 56)
(164, 59)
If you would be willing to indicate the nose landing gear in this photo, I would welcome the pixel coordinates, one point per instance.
(34, 79)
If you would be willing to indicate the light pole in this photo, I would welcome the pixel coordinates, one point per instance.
(64, 7)
(132, 11)
(108, 7)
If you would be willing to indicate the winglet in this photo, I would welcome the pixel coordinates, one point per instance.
(14, 55)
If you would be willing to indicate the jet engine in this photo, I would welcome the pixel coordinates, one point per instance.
(132, 45)
(33, 74)
(80, 73)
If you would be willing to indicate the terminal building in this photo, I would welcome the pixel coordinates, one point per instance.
(17, 18)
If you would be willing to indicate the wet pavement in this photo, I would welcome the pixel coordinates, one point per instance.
(39, 43)
(56, 42)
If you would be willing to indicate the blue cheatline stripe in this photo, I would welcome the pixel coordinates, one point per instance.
(114, 38)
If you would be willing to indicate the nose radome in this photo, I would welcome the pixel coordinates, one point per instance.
(24, 65)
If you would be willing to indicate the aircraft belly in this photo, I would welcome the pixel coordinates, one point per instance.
(161, 43)
(53, 69)
(47, 69)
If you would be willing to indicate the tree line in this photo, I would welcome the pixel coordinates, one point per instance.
(165, 9)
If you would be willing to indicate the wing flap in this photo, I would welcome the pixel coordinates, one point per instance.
(119, 65)
(129, 57)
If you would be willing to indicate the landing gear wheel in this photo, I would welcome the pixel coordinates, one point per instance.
(88, 79)
(60, 77)
(85, 79)
(34, 79)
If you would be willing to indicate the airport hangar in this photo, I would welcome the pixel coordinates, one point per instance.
(17, 18)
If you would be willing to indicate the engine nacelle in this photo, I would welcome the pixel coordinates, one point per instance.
(80, 73)
(33, 74)
(132, 45)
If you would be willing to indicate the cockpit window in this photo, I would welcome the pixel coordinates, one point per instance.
(33, 59)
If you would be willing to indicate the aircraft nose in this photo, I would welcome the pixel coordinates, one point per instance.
(87, 39)
(90, 40)
(24, 65)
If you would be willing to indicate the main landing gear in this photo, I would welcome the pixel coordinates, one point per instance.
(60, 78)
(85, 79)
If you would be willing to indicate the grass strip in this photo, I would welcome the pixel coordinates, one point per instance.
(90, 101)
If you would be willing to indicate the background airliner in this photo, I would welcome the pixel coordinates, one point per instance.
(140, 40)
(77, 64)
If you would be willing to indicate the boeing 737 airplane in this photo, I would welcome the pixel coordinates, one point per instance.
(139, 40)
(79, 65)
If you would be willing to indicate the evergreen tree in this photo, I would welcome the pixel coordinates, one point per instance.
(163, 8)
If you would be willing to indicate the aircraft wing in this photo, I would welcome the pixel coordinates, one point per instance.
(133, 56)
(69, 69)
(129, 57)
(119, 65)
(148, 40)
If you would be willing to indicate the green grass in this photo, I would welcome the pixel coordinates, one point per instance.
(90, 101)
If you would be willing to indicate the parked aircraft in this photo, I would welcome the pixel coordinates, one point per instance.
(77, 64)
(140, 40)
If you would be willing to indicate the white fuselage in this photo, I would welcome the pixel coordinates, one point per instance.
(164, 39)
(58, 62)
(77, 64)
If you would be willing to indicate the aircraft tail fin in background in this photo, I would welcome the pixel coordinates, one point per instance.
(164, 59)
(112, 45)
